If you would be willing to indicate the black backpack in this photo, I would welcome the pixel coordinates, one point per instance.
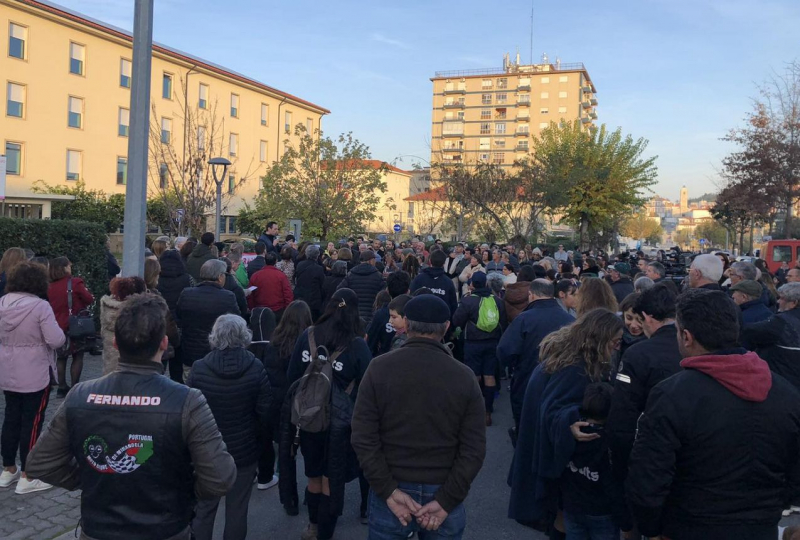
(311, 406)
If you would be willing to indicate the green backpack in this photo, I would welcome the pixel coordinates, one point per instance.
(488, 314)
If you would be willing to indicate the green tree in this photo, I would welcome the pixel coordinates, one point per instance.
(92, 205)
(683, 238)
(712, 231)
(640, 226)
(324, 182)
(602, 173)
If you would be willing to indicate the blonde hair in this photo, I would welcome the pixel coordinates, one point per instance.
(586, 341)
(595, 293)
(12, 257)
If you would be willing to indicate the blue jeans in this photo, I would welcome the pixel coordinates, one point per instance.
(384, 525)
(580, 527)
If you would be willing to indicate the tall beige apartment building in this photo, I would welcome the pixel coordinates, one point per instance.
(65, 85)
(490, 115)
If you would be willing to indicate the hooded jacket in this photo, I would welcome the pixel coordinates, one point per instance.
(466, 316)
(199, 255)
(366, 281)
(237, 390)
(516, 299)
(309, 278)
(777, 341)
(29, 336)
(717, 454)
(173, 278)
(439, 283)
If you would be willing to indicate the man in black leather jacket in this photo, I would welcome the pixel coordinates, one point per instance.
(140, 446)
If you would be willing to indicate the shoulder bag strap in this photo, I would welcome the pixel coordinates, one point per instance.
(69, 295)
(312, 344)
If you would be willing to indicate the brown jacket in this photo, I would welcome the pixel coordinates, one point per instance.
(516, 299)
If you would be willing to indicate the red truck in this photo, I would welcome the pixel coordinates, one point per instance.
(780, 251)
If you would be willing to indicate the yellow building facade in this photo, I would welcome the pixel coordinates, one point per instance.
(490, 115)
(66, 97)
(391, 209)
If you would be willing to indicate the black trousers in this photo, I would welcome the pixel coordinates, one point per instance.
(266, 460)
(22, 425)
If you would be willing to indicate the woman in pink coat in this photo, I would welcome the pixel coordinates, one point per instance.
(29, 337)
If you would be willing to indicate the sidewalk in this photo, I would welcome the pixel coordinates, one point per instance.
(47, 514)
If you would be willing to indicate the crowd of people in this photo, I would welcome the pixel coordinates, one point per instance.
(645, 402)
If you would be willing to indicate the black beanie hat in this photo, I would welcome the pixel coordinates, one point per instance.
(427, 308)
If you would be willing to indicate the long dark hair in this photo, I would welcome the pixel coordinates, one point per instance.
(294, 321)
(340, 322)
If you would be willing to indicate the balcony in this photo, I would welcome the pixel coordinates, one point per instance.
(586, 104)
(593, 115)
(455, 91)
(523, 103)
(452, 134)
(593, 101)
(586, 120)
(453, 149)
(523, 118)
(524, 87)
(523, 132)
(587, 89)
(522, 148)
(457, 119)
(456, 105)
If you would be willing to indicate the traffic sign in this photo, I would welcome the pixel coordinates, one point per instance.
(397, 227)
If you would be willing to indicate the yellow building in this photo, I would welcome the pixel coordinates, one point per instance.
(392, 205)
(489, 115)
(66, 86)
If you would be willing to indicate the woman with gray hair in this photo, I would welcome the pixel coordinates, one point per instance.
(309, 279)
(237, 389)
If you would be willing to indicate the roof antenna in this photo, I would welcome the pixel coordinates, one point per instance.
(531, 32)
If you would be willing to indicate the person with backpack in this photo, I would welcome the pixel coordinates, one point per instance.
(435, 278)
(329, 361)
(482, 316)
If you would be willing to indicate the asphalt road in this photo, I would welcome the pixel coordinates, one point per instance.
(487, 504)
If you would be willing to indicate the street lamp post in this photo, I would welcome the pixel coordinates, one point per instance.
(215, 164)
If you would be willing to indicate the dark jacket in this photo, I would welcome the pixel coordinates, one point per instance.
(717, 450)
(269, 241)
(439, 283)
(309, 279)
(519, 346)
(439, 437)
(380, 332)
(196, 312)
(755, 311)
(173, 278)
(199, 255)
(466, 316)
(255, 265)
(232, 285)
(237, 389)
(366, 281)
(188, 457)
(111, 264)
(516, 299)
(352, 362)
(777, 341)
(621, 288)
(643, 366)
(329, 287)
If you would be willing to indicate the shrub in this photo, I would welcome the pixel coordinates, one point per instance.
(82, 242)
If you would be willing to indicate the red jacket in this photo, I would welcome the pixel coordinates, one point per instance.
(57, 294)
(273, 289)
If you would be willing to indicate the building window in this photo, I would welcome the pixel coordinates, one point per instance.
(287, 121)
(523, 129)
(545, 95)
(125, 73)
(203, 101)
(75, 117)
(485, 128)
(166, 86)
(502, 83)
(486, 83)
(124, 122)
(523, 145)
(545, 80)
(562, 110)
(486, 99)
(486, 114)
(460, 115)
(233, 144)
(524, 82)
(201, 138)
(231, 224)
(264, 114)
(502, 98)
(484, 143)
(309, 126)
(499, 128)
(483, 157)
(166, 130)
(452, 128)
(17, 39)
(499, 143)
(122, 171)
(562, 94)
(77, 55)
(543, 125)
(13, 158)
(563, 78)
(163, 175)
(15, 104)
(544, 110)
(73, 165)
(262, 151)
(498, 158)
(234, 106)
(500, 113)
(231, 182)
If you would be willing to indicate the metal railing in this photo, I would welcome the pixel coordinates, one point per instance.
(536, 68)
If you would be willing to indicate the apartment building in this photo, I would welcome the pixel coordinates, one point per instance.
(66, 82)
(490, 115)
